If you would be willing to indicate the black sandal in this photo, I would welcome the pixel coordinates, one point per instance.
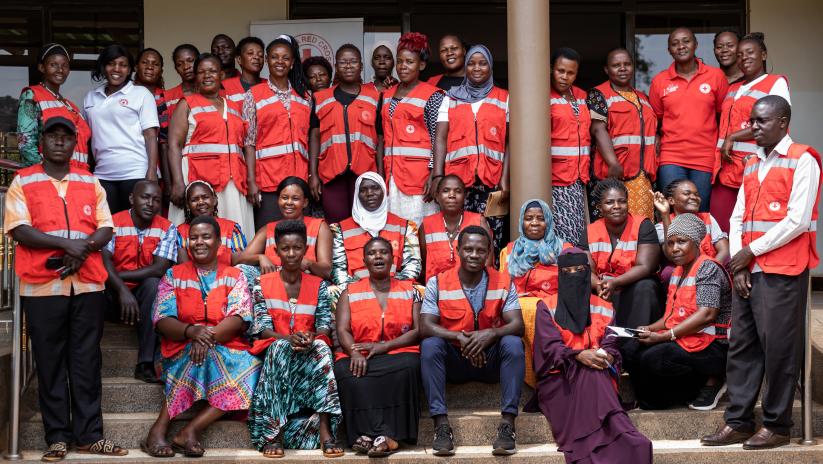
(382, 447)
(55, 452)
(362, 445)
(329, 446)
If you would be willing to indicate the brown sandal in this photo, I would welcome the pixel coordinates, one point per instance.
(330, 449)
(104, 447)
(383, 446)
(157, 450)
(273, 450)
(55, 452)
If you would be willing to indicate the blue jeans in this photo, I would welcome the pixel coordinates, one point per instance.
(702, 179)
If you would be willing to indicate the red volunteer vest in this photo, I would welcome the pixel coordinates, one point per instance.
(355, 238)
(234, 93)
(681, 303)
(191, 309)
(226, 235)
(75, 219)
(434, 80)
(284, 321)
(129, 253)
(312, 232)
(766, 205)
(477, 143)
(540, 281)
(571, 141)
(612, 262)
(282, 137)
(162, 109)
(706, 246)
(601, 313)
(343, 128)
(440, 254)
(371, 324)
(455, 310)
(173, 96)
(734, 116)
(215, 148)
(408, 146)
(632, 132)
(50, 107)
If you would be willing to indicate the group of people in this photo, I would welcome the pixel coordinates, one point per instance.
(375, 269)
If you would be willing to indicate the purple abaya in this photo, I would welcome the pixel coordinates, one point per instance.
(580, 403)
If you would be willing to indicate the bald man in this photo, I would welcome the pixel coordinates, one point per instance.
(772, 242)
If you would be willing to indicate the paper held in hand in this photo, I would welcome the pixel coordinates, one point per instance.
(624, 331)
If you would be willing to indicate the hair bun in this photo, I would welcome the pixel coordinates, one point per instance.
(416, 42)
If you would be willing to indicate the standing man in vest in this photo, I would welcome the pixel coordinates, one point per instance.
(772, 241)
(60, 219)
(472, 325)
(144, 246)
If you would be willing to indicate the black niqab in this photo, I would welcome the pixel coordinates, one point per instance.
(574, 292)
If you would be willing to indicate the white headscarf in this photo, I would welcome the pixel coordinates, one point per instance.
(370, 221)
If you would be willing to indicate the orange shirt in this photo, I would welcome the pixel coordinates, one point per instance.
(689, 110)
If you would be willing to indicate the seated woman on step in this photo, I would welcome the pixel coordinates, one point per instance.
(378, 371)
(295, 404)
(201, 200)
(202, 310)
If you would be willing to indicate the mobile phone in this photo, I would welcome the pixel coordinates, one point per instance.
(54, 262)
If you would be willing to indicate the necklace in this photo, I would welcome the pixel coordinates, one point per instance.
(452, 235)
(59, 98)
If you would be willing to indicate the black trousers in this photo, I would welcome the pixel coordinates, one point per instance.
(766, 339)
(145, 293)
(640, 303)
(268, 210)
(117, 193)
(65, 334)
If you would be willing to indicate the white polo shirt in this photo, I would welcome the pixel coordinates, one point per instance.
(117, 123)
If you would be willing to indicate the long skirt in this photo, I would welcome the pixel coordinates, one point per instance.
(231, 205)
(409, 207)
(386, 401)
(569, 210)
(294, 389)
(641, 200)
(477, 196)
(226, 379)
(723, 200)
(528, 308)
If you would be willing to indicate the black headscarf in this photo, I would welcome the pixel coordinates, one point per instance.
(574, 292)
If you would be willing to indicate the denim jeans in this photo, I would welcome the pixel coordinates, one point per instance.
(702, 179)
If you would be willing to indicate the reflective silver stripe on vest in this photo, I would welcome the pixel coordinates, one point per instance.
(437, 237)
(765, 226)
(172, 101)
(154, 232)
(299, 308)
(62, 233)
(393, 228)
(499, 294)
(751, 167)
(310, 241)
(632, 140)
(602, 310)
(409, 152)
(364, 273)
(234, 112)
(82, 157)
(353, 137)
(450, 295)
(322, 104)
(300, 100)
(756, 94)
(569, 151)
(687, 282)
(367, 99)
(354, 297)
(279, 150)
(203, 109)
(353, 232)
(418, 102)
(495, 102)
(226, 281)
(195, 148)
(628, 246)
(558, 101)
(710, 330)
(746, 147)
(473, 150)
(266, 102)
(50, 104)
(236, 97)
(607, 247)
(43, 177)
(183, 284)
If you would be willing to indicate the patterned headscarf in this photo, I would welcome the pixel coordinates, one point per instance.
(687, 225)
(527, 252)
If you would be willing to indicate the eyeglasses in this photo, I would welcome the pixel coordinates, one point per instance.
(347, 63)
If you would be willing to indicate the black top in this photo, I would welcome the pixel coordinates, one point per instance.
(447, 82)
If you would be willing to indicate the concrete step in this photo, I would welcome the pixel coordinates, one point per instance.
(471, 427)
(665, 452)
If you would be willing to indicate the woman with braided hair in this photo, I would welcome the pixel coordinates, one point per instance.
(201, 200)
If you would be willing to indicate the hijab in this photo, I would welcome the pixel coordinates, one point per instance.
(527, 252)
(574, 292)
(467, 91)
(370, 221)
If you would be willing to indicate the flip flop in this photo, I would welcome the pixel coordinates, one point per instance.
(382, 447)
(155, 450)
(55, 452)
(362, 445)
(328, 449)
(188, 450)
(104, 447)
(275, 446)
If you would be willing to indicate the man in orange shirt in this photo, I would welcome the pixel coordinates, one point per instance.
(687, 98)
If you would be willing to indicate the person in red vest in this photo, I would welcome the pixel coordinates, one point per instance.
(318, 73)
(577, 363)
(370, 218)
(201, 200)
(223, 47)
(40, 102)
(343, 139)
(292, 328)
(471, 325)
(452, 51)
(260, 257)
(735, 139)
(681, 357)
(148, 73)
(143, 247)
(378, 370)
(478, 140)
(686, 98)
(382, 62)
(202, 312)
(415, 130)
(624, 128)
(772, 235)
(59, 218)
(250, 59)
(626, 256)
(206, 139)
(278, 115)
(438, 233)
(681, 196)
(183, 58)
(570, 146)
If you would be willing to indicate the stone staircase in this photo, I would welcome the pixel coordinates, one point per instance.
(130, 407)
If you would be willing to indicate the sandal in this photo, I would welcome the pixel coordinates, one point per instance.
(158, 450)
(383, 446)
(55, 452)
(193, 449)
(362, 445)
(330, 449)
(273, 450)
(104, 447)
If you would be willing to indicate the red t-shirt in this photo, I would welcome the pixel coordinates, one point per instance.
(689, 110)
